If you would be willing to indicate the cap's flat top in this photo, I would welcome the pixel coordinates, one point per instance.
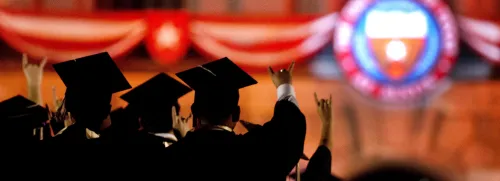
(218, 74)
(161, 89)
(95, 72)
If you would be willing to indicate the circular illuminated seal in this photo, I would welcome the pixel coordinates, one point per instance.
(395, 50)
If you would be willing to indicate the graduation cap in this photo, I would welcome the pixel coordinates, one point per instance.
(153, 101)
(13, 103)
(19, 111)
(97, 73)
(251, 126)
(216, 84)
(159, 91)
(222, 73)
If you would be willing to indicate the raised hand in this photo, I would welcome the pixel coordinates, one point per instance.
(325, 113)
(33, 72)
(324, 108)
(68, 121)
(284, 76)
(55, 100)
(180, 124)
(61, 114)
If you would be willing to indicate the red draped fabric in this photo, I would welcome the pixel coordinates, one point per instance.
(67, 36)
(167, 39)
(251, 42)
(260, 42)
(480, 24)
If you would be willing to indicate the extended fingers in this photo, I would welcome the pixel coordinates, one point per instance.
(189, 117)
(324, 104)
(270, 70)
(44, 61)
(292, 65)
(316, 99)
(54, 96)
(330, 100)
(25, 59)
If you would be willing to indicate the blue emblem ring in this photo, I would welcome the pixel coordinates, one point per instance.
(361, 66)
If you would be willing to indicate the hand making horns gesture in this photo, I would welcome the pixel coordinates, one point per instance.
(324, 108)
(284, 76)
(33, 72)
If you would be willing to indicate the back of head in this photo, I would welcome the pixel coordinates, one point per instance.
(397, 172)
(215, 107)
(84, 105)
(216, 85)
(159, 119)
(153, 101)
(90, 82)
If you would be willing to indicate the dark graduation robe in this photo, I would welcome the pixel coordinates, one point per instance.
(56, 126)
(116, 136)
(73, 134)
(319, 167)
(71, 150)
(73, 139)
(268, 153)
(153, 141)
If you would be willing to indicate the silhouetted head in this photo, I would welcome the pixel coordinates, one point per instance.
(89, 109)
(159, 119)
(90, 82)
(217, 108)
(216, 86)
(153, 101)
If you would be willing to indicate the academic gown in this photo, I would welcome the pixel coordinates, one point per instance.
(112, 135)
(268, 153)
(158, 141)
(319, 167)
(19, 132)
(73, 139)
(73, 134)
(133, 153)
(19, 138)
(47, 132)
(56, 126)
(69, 150)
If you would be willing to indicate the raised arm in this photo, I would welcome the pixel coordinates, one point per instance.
(319, 167)
(287, 92)
(280, 142)
(34, 74)
(325, 114)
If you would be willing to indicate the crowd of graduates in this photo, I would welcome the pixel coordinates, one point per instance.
(82, 138)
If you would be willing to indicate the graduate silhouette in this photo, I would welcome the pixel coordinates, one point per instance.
(90, 82)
